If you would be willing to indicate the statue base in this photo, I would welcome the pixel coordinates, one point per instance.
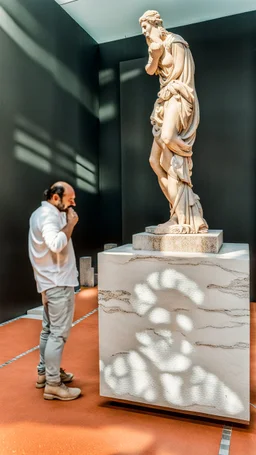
(174, 330)
(209, 242)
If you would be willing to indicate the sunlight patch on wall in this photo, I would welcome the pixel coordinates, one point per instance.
(30, 127)
(132, 74)
(86, 163)
(31, 143)
(82, 185)
(66, 149)
(106, 76)
(107, 112)
(29, 157)
(62, 159)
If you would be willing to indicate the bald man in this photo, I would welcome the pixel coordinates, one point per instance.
(53, 260)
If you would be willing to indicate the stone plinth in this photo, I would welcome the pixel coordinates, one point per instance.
(86, 272)
(190, 243)
(174, 330)
(109, 246)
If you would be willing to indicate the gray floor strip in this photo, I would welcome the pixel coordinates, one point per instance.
(37, 347)
(19, 356)
(11, 320)
(225, 441)
(84, 317)
(24, 315)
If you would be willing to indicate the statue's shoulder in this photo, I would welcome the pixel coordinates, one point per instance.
(173, 38)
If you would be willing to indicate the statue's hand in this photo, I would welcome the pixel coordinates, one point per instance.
(156, 49)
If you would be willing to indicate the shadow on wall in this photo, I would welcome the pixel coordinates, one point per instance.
(62, 75)
(167, 365)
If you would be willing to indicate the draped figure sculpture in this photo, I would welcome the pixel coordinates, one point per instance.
(175, 119)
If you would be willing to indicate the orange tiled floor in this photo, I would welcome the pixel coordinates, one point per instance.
(31, 425)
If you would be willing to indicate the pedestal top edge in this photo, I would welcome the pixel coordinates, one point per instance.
(210, 233)
(227, 251)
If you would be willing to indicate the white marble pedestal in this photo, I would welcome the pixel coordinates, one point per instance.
(174, 330)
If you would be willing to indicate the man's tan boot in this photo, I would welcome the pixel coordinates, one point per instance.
(64, 377)
(61, 392)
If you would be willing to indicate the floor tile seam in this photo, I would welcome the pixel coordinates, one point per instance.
(225, 441)
(10, 361)
(22, 316)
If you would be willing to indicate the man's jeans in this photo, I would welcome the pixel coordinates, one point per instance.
(57, 321)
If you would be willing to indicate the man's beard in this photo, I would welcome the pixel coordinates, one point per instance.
(61, 207)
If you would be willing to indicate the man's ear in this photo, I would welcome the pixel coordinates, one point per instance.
(55, 197)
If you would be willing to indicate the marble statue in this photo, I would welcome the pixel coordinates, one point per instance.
(175, 119)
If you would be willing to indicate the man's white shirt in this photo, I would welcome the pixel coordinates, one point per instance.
(51, 253)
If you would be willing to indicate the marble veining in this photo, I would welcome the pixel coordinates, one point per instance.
(235, 312)
(123, 296)
(175, 262)
(223, 346)
(232, 326)
(238, 287)
(175, 330)
(116, 309)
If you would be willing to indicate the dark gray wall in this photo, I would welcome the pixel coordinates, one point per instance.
(224, 51)
(142, 202)
(48, 118)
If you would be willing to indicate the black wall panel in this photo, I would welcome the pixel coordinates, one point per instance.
(49, 131)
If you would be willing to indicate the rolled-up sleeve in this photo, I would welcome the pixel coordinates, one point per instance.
(53, 237)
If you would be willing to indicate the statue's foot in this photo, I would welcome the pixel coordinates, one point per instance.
(165, 228)
(172, 227)
(204, 229)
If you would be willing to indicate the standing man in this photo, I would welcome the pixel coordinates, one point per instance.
(53, 260)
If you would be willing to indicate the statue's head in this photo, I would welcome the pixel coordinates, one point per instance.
(151, 21)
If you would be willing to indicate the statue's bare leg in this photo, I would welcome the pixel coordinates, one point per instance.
(172, 185)
(168, 183)
(162, 176)
(172, 193)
